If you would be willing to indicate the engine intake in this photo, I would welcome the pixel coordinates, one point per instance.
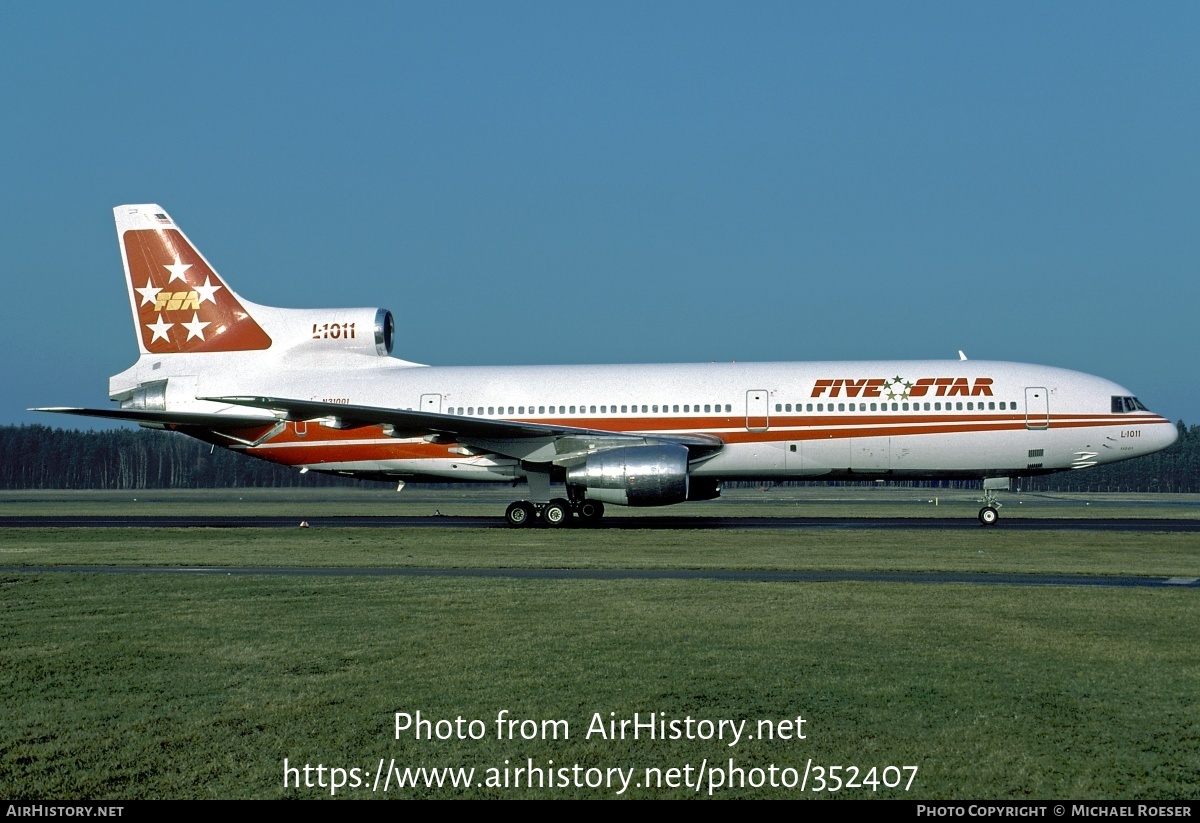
(634, 475)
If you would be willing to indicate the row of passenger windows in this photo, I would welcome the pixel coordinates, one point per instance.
(971, 405)
(688, 408)
(710, 408)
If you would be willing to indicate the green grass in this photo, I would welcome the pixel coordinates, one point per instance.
(974, 550)
(158, 686)
(152, 685)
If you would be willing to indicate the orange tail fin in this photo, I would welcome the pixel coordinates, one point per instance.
(180, 304)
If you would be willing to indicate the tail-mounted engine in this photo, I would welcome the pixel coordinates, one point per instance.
(365, 331)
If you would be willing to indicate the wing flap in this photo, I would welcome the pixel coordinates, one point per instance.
(537, 442)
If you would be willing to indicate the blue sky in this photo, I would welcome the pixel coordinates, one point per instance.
(569, 182)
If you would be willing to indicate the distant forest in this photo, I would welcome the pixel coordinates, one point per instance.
(40, 457)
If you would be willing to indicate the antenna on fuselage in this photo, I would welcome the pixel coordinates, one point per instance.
(961, 356)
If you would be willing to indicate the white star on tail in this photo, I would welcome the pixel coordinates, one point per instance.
(195, 328)
(160, 330)
(177, 270)
(149, 294)
(207, 291)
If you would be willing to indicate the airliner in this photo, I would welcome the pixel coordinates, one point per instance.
(318, 390)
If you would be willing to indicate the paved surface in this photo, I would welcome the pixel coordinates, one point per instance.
(612, 523)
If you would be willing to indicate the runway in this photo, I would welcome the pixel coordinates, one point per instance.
(732, 575)
(660, 522)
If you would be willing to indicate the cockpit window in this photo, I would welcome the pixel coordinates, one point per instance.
(1122, 405)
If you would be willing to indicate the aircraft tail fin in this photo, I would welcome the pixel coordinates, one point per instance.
(180, 304)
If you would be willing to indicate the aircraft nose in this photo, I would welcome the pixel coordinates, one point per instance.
(1158, 437)
(1168, 434)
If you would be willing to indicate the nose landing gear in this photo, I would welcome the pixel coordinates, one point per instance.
(990, 513)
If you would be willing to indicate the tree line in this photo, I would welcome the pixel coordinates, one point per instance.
(41, 457)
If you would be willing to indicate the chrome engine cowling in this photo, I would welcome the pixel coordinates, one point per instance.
(634, 475)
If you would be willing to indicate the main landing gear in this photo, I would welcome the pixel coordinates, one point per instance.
(556, 513)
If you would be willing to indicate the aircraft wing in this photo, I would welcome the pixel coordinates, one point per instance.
(537, 442)
(158, 417)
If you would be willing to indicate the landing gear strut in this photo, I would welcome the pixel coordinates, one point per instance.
(558, 513)
(989, 514)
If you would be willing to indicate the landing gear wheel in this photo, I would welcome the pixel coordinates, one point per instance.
(590, 511)
(557, 513)
(519, 514)
(988, 516)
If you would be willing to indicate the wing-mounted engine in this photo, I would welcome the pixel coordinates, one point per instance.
(360, 331)
(652, 475)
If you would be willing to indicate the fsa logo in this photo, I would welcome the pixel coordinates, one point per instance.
(176, 300)
(897, 388)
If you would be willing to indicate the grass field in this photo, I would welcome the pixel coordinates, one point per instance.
(151, 685)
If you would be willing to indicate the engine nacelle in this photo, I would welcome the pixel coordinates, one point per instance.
(634, 475)
(366, 331)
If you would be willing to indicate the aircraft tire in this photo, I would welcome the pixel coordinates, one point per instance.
(590, 511)
(519, 514)
(988, 516)
(557, 513)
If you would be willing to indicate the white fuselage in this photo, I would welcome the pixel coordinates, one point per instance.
(866, 419)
